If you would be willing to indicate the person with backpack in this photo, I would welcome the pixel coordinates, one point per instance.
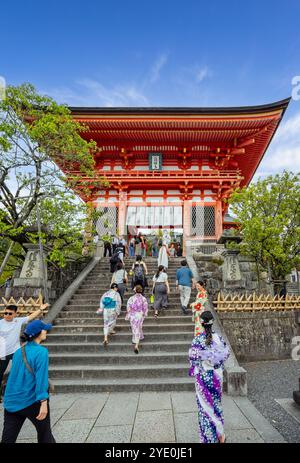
(114, 260)
(26, 394)
(115, 242)
(121, 249)
(139, 273)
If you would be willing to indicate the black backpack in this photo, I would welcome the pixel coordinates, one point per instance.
(138, 273)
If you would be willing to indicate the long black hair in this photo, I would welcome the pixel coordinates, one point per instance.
(207, 323)
(160, 269)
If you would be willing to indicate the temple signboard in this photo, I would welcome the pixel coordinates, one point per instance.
(155, 161)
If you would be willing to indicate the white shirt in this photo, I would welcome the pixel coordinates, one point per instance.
(120, 275)
(10, 333)
(162, 278)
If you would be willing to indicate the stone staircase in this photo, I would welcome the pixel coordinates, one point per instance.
(80, 363)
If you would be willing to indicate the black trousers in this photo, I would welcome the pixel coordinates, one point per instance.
(107, 247)
(13, 423)
(3, 367)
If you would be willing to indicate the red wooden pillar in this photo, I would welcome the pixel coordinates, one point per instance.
(122, 213)
(219, 219)
(186, 222)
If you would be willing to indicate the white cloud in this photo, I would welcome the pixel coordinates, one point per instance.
(284, 151)
(93, 93)
(157, 67)
(202, 73)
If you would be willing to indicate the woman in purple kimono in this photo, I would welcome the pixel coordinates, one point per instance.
(207, 356)
(137, 310)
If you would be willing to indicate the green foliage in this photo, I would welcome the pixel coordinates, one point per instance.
(15, 261)
(269, 216)
(38, 138)
(106, 238)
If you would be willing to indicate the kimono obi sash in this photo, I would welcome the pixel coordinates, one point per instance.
(109, 303)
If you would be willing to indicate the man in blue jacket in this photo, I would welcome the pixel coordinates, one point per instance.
(26, 394)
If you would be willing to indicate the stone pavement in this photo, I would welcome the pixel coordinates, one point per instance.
(153, 417)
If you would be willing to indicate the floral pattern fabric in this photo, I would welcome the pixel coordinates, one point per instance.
(197, 310)
(137, 310)
(206, 366)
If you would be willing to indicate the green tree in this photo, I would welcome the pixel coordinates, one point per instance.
(268, 213)
(39, 139)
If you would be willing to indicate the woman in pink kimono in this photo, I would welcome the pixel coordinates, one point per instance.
(137, 310)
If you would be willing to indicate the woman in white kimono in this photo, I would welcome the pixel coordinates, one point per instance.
(110, 306)
(163, 256)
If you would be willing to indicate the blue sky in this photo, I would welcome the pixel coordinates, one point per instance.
(160, 53)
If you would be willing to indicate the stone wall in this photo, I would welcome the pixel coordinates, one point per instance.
(212, 269)
(265, 335)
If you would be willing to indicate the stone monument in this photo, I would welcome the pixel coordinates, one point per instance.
(31, 281)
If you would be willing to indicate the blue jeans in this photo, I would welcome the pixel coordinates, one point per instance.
(131, 251)
(154, 252)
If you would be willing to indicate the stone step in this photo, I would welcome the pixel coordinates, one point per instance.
(96, 292)
(118, 358)
(172, 299)
(101, 288)
(124, 384)
(122, 327)
(93, 306)
(88, 372)
(117, 347)
(125, 337)
(80, 363)
(90, 312)
(94, 297)
(121, 321)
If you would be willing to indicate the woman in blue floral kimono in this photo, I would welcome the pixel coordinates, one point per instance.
(137, 310)
(110, 306)
(207, 356)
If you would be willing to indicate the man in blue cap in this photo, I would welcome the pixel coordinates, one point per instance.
(26, 394)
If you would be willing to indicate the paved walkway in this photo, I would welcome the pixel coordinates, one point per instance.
(166, 417)
(270, 389)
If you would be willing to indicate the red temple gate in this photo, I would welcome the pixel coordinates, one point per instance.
(174, 167)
